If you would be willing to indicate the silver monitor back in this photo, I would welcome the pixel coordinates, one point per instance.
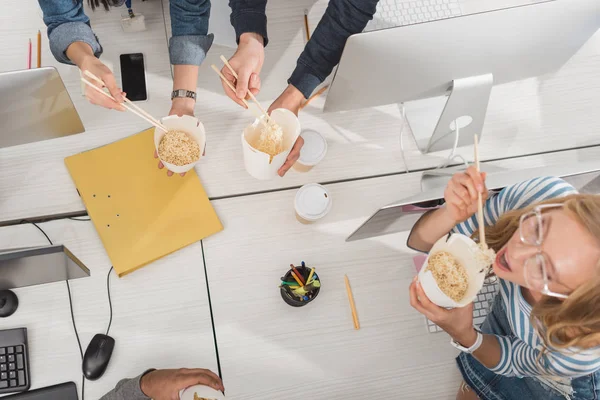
(421, 61)
(402, 215)
(35, 106)
(38, 265)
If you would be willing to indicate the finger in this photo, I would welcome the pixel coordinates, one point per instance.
(230, 93)
(182, 174)
(243, 82)
(155, 154)
(100, 100)
(476, 178)
(254, 85)
(160, 165)
(111, 85)
(462, 194)
(416, 304)
(292, 157)
(468, 182)
(169, 173)
(203, 377)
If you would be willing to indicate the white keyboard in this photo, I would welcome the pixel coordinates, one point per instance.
(482, 305)
(393, 13)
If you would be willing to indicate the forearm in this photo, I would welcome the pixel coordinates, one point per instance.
(189, 23)
(78, 51)
(185, 77)
(127, 389)
(248, 16)
(430, 228)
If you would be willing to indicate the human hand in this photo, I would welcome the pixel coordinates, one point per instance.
(247, 63)
(291, 99)
(461, 193)
(457, 322)
(96, 67)
(165, 384)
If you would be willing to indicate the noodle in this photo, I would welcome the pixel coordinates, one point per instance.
(178, 148)
(450, 275)
(270, 140)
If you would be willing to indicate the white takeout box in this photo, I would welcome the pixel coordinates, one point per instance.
(465, 250)
(202, 391)
(187, 124)
(256, 162)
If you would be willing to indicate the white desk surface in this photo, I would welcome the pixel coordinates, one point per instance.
(161, 317)
(553, 112)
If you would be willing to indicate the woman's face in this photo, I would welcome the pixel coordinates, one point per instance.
(572, 253)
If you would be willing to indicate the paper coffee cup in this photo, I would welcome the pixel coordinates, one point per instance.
(259, 164)
(202, 392)
(312, 203)
(313, 151)
(187, 124)
(465, 250)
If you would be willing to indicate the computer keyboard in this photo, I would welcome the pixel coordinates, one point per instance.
(14, 364)
(393, 13)
(481, 305)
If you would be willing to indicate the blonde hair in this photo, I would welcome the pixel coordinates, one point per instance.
(573, 322)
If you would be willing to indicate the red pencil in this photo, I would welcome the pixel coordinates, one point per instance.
(299, 274)
(29, 56)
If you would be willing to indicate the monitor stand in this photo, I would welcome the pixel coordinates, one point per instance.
(432, 120)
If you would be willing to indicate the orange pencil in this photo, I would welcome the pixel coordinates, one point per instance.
(306, 25)
(297, 280)
(39, 49)
(298, 274)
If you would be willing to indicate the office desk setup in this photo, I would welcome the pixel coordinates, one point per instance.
(192, 308)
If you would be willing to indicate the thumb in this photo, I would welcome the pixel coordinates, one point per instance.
(241, 88)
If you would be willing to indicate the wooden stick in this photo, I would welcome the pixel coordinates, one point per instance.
(259, 117)
(96, 88)
(314, 96)
(148, 116)
(39, 49)
(480, 219)
(306, 25)
(249, 92)
(352, 306)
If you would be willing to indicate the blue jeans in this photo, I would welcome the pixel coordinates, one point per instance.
(490, 386)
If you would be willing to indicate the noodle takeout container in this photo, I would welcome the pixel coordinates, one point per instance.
(203, 392)
(187, 124)
(259, 164)
(465, 250)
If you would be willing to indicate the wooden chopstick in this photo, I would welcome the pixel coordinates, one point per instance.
(352, 306)
(156, 122)
(96, 88)
(314, 96)
(268, 117)
(480, 219)
(259, 117)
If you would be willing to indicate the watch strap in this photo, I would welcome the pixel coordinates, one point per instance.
(471, 349)
(183, 93)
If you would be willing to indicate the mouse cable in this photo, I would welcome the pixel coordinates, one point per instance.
(71, 305)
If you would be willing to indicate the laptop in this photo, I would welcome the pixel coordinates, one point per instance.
(35, 106)
(402, 215)
(63, 391)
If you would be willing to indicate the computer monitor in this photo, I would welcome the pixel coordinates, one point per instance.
(444, 70)
(35, 106)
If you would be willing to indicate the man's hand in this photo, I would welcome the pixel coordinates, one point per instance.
(291, 99)
(247, 63)
(165, 384)
(96, 67)
(457, 322)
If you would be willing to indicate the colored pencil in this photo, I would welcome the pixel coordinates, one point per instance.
(296, 278)
(298, 273)
(352, 306)
(39, 49)
(306, 25)
(312, 272)
(29, 56)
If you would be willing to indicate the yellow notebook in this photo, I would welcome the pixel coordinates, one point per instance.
(140, 213)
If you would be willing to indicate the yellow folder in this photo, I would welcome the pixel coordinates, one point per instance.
(140, 213)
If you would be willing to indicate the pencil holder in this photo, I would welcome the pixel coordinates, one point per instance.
(287, 294)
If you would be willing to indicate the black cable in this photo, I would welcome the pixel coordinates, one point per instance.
(79, 219)
(109, 299)
(40, 229)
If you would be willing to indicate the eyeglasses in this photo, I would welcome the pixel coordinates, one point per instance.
(533, 229)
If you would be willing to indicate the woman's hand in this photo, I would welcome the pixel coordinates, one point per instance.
(461, 193)
(457, 322)
(96, 67)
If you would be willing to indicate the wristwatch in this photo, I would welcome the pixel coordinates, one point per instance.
(183, 93)
(471, 349)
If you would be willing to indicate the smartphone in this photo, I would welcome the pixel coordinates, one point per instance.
(133, 76)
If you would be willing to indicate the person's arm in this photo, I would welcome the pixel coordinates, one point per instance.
(248, 16)
(67, 24)
(127, 389)
(430, 228)
(323, 51)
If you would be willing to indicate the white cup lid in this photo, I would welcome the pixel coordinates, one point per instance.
(312, 202)
(314, 149)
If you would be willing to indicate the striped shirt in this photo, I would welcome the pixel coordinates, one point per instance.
(520, 351)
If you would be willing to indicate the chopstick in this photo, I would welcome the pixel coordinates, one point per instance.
(352, 306)
(314, 96)
(39, 49)
(268, 117)
(259, 117)
(151, 121)
(480, 220)
(148, 116)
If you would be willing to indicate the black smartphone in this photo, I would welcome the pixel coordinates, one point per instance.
(133, 76)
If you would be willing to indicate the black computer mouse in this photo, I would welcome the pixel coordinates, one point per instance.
(8, 303)
(97, 356)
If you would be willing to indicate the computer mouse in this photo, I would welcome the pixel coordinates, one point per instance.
(97, 356)
(8, 303)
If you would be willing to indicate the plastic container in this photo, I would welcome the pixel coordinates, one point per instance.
(312, 203)
(259, 164)
(292, 300)
(465, 251)
(187, 124)
(313, 151)
(202, 392)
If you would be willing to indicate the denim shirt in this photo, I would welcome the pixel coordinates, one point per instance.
(67, 23)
